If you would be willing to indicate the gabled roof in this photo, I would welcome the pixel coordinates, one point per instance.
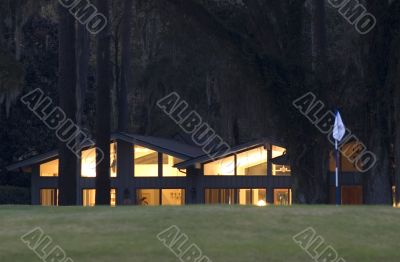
(163, 145)
(167, 146)
(190, 154)
(207, 157)
(33, 160)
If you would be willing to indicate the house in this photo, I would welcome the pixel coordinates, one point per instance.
(350, 177)
(156, 171)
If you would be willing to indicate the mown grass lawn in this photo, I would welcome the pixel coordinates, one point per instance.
(223, 233)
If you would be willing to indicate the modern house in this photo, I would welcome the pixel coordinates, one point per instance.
(156, 171)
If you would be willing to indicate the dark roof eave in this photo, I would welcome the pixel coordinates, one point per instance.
(205, 158)
(135, 140)
(32, 161)
(121, 136)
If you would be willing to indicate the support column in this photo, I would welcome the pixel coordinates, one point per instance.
(192, 188)
(270, 195)
(124, 172)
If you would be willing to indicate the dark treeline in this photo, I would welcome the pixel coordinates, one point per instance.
(240, 64)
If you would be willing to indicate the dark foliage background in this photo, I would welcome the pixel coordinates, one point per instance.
(240, 64)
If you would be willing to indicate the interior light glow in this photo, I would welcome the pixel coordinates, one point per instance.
(261, 203)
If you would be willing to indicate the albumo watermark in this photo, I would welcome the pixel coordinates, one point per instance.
(178, 243)
(86, 14)
(314, 245)
(315, 111)
(55, 119)
(192, 124)
(43, 246)
(356, 14)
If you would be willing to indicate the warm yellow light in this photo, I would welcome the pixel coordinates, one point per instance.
(261, 203)
(227, 169)
(49, 169)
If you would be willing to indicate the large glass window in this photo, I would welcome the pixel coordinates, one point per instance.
(220, 196)
(257, 197)
(252, 162)
(146, 162)
(244, 196)
(113, 197)
(173, 197)
(148, 197)
(113, 159)
(221, 167)
(282, 197)
(88, 161)
(49, 169)
(88, 197)
(165, 197)
(168, 166)
(49, 197)
(279, 170)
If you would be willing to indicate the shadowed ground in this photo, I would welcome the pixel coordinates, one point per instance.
(223, 233)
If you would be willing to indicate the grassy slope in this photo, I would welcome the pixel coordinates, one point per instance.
(223, 233)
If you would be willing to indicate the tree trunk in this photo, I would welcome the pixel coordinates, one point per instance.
(83, 53)
(319, 38)
(18, 30)
(377, 181)
(103, 107)
(397, 142)
(308, 150)
(66, 84)
(123, 119)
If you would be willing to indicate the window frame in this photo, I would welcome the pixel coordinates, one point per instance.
(160, 194)
(94, 147)
(48, 188)
(86, 188)
(290, 194)
(46, 162)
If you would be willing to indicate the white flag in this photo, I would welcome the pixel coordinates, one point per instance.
(339, 129)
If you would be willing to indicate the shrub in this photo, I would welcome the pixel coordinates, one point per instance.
(11, 195)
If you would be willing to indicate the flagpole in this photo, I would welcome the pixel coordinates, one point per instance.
(339, 130)
(337, 174)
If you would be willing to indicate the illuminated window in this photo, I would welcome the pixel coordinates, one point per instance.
(113, 197)
(146, 162)
(220, 196)
(173, 197)
(257, 197)
(244, 196)
(282, 197)
(49, 169)
(252, 162)
(88, 197)
(88, 161)
(113, 159)
(49, 197)
(148, 197)
(279, 170)
(168, 166)
(222, 167)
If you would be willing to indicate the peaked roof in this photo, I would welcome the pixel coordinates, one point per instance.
(168, 146)
(164, 145)
(207, 157)
(190, 154)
